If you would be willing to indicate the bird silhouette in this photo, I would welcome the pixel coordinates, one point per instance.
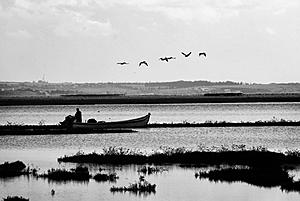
(122, 63)
(186, 55)
(202, 53)
(142, 178)
(143, 62)
(167, 58)
(52, 192)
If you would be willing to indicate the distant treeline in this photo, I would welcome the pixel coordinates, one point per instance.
(224, 94)
(143, 88)
(186, 84)
(91, 95)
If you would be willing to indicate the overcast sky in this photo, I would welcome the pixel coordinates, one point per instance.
(82, 40)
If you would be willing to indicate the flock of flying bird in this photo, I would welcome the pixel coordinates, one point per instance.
(163, 59)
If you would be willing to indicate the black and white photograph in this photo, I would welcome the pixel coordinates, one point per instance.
(149, 100)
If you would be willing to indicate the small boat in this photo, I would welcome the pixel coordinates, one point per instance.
(131, 123)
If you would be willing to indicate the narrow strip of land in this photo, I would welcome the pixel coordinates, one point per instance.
(225, 124)
(147, 99)
(56, 130)
(59, 129)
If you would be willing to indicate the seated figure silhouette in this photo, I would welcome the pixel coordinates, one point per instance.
(78, 117)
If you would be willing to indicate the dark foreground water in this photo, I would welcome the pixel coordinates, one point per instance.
(177, 183)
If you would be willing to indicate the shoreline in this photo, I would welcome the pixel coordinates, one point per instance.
(224, 124)
(146, 99)
(60, 130)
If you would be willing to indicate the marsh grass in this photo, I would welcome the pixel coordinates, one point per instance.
(77, 174)
(265, 177)
(142, 186)
(258, 176)
(208, 123)
(16, 168)
(9, 123)
(235, 155)
(151, 170)
(15, 198)
(111, 177)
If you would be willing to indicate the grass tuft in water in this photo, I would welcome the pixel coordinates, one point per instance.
(112, 177)
(142, 186)
(151, 169)
(16, 168)
(15, 198)
(77, 174)
(258, 176)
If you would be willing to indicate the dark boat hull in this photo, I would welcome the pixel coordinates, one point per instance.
(132, 123)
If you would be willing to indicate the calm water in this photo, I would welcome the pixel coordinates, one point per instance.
(52, 114)
(177, 183)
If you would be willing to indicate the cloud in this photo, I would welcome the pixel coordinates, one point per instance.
(62, 18)
(97, 17)
(83, 26)
(270, 31)
(209, 11)
(6, 4)
(19, 34)
(203, 11)
(218, 10)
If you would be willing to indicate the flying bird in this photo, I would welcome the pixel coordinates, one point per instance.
(167, 58)
(186, 55)
(122, 63)
(143, 62)
(202, 53)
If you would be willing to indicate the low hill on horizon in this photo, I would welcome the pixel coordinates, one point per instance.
(42, 88)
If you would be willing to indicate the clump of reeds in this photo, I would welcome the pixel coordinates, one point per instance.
(151, 169)
(79, 174)
(265, 177)
(258, 176)
(142, 186)
(111, 155)
(15, 198)
(273, 120)
(115, 151)
(210, 123)
(291, 186)
(9, 123)
(293, 153)
(16, 168)
(234, 155)
(112, 177)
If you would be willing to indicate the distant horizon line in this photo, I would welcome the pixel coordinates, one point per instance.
(144, 82)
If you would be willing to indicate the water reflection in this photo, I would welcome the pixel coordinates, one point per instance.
(63, 182)
(141, 187)
(148, 170)
(258, 176)
(175, 184)
(136, 193)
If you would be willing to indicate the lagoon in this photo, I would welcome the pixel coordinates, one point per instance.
(176, 184)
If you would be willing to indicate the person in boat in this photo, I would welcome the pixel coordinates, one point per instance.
(78, 116)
